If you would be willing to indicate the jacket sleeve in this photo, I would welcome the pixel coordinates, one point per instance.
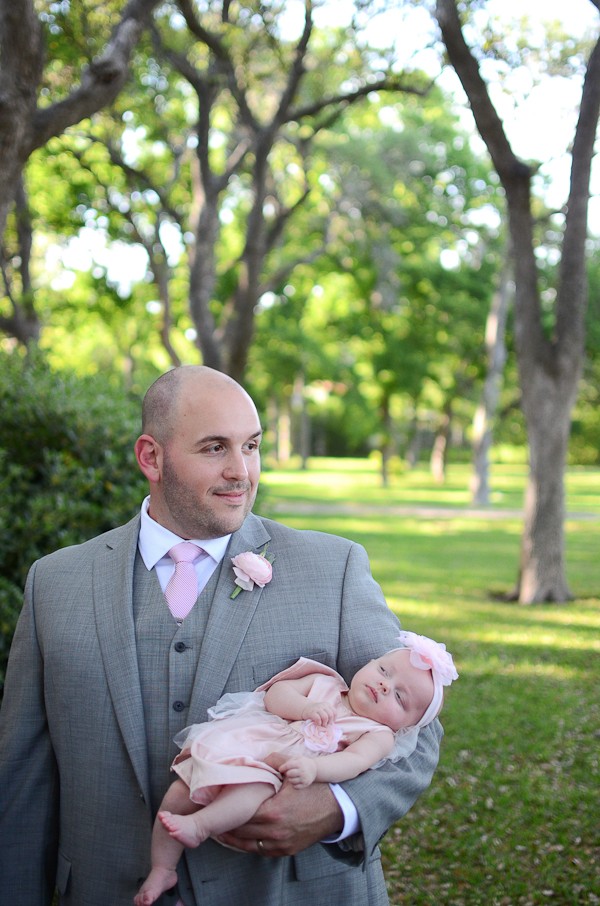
(384, 795)
(28, 773)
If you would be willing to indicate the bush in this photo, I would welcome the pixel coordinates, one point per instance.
(67, 469)
(10, 604)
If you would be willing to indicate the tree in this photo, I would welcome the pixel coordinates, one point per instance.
(38, 103)
(485, 414)
(410, 188)
(255, 109)
(549, 360)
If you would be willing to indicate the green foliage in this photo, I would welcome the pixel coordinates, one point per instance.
(584, 446)
(67, 468)
(401, 232)
(10, 605)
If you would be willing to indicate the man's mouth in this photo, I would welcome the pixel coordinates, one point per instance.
(234, 495)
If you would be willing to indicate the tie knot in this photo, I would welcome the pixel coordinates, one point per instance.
(184, 552)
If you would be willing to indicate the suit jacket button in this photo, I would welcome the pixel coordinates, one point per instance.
(180, 646)
(178, 706)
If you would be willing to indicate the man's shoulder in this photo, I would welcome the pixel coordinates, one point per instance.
(92, 546)
(280, 532)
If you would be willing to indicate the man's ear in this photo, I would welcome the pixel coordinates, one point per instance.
(148, 453)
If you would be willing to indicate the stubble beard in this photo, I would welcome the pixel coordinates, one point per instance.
(194, 518)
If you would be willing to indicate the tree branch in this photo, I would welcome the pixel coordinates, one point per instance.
(573, 281)
(101, 81)
(515, 176)
(387, 83)
(489, 124)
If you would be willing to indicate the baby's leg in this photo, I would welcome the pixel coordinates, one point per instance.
(166, 850)
(232, 807)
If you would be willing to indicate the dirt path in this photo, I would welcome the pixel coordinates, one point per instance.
(302, 508)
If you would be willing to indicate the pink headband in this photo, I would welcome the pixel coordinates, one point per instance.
(429, 655)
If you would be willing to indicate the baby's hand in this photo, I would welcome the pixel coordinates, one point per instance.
(300, 771)
(322, 713)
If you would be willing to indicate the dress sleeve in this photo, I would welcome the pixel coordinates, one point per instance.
(304, 666)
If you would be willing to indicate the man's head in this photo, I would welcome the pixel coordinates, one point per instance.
(199, 450)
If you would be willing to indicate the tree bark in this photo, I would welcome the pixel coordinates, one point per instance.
(439, 451)
(24, 126)
(21, 66)
(483, 421)
(549, 365)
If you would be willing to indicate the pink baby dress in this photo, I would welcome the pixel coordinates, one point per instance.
(231, 747)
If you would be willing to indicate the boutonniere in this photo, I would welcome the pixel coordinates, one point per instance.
(250, 570)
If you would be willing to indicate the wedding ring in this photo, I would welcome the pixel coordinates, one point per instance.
(260, 847)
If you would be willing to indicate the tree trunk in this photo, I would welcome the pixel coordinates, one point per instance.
(301, 420)
(549, 364)
(25, 126)
(21, 61)
(23, 324)
(387, 445)
(495, 333)
(542, 567)
(437, 462)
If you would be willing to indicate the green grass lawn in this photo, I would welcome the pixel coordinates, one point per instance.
(513, 813)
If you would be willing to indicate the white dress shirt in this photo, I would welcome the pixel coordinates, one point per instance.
(155, 542)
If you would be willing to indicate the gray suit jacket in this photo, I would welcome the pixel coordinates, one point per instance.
(75, 784)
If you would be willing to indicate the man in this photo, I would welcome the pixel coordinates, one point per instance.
(102, 676)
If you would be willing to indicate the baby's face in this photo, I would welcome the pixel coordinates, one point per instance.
(391, 691)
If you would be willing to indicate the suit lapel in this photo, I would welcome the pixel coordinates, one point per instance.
(227, 626)
(113, 606)
(228, 621)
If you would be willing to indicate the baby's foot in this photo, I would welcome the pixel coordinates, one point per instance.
(183, 828)
(158, 881)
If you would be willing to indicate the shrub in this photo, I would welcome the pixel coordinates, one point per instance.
(67, 468)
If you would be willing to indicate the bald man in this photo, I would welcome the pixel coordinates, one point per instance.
(102, 676)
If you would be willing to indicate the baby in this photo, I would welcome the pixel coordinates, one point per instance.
(231, 764)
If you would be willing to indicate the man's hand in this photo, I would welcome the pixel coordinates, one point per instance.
(289, 821)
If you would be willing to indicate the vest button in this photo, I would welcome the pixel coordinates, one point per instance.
(180, 646)
(178, 706)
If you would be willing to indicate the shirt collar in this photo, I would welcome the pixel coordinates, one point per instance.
(155, 541)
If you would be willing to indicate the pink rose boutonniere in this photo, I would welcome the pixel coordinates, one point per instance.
(250, 570)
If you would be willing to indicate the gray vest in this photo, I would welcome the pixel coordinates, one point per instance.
(168, 661)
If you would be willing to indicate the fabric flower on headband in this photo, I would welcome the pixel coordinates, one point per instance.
(429, 655)
(251, 569)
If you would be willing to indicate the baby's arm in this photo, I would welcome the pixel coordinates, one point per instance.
(288, 699)
(370, 748)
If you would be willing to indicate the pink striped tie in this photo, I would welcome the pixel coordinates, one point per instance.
(182, 588)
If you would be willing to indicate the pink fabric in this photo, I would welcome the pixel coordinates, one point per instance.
(232, 750)
(182, 588)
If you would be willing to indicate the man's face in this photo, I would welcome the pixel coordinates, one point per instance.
(391, 691)
(209, 469)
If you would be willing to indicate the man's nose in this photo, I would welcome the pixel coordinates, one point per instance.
(236, 466)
